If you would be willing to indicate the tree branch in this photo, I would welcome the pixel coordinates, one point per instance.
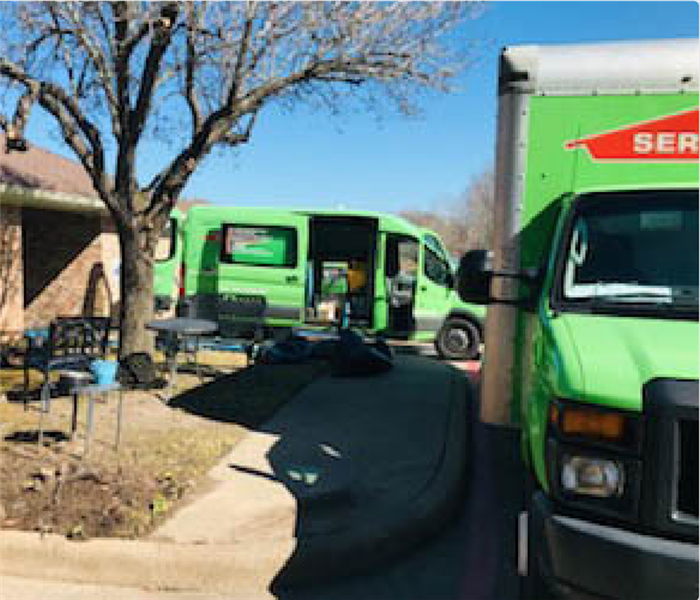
(71, 119)
(235, 139)
(242, 52)
(98, 59)
(190, 67)
(121, 63)
(159, 44)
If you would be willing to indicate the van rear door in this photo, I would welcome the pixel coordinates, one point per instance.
(168, 257)
(261, 273)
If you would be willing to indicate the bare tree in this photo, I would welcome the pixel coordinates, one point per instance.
(465, 223)
(475, 208)
(117, 72)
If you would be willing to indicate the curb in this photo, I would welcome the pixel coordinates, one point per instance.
(393, 533)
(229, 568)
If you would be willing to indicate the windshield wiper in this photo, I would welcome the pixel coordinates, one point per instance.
(641, 301)
(643, 295)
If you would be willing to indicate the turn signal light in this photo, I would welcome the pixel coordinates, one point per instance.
(588, 423)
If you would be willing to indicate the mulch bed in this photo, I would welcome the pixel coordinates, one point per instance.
(164, 458)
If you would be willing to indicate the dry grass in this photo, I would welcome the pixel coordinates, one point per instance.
(167, 447)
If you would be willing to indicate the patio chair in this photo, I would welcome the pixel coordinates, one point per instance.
(72, 343)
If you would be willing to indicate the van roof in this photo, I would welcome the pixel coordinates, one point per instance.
(607, 67)
(386, 220)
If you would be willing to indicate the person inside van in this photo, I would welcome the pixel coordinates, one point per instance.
(357, 276)
(357, 289)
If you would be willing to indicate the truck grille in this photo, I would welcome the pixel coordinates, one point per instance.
(670, 462)
(687, 480)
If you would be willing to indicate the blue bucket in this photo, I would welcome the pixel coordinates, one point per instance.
(105, 371)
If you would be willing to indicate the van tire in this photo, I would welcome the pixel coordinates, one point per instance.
(458, 339)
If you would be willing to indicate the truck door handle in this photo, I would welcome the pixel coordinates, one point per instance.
(292, 279)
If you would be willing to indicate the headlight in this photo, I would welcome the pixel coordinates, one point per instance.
(592, 476)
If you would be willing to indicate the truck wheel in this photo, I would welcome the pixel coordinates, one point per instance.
(459, 339)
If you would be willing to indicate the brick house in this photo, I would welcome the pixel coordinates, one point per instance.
(59, 253)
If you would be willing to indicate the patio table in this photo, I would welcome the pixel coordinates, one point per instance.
(176, 330)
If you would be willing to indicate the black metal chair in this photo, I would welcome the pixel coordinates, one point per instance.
(245, 318)
(72, 343)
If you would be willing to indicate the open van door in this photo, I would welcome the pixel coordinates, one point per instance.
(401, 260)
(262, 272)
(168, 257)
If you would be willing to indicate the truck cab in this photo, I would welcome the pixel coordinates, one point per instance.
(592, 329)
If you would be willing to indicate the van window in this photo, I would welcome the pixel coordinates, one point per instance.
(434, 244)
(408, 256)
(259, 245)
(436, 268)
(165, 248)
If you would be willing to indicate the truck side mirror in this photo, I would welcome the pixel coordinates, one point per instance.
(474, 276)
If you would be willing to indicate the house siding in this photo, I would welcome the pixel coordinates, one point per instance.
(65, 270)
(11, 272)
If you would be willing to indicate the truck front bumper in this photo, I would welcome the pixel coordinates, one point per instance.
(583, 560)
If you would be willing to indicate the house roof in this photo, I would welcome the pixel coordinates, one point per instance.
(40, 169)
(41, 173)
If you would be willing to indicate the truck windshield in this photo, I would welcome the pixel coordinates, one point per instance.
(633, 250)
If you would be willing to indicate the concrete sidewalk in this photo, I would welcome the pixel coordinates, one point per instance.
(350, 473)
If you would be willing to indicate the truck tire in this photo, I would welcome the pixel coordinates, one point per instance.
(459, 339)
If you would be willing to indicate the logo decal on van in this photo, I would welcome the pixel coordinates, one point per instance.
(670, 138)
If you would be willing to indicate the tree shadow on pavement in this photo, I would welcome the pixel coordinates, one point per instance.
(251, 396)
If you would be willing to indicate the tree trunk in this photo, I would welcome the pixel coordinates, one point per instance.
(136, 285)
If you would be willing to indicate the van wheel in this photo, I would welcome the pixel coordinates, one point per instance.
(459, 339)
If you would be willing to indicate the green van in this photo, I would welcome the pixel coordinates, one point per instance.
(592, 330)
(259, 272)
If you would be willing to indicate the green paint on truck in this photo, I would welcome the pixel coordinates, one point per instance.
(592, 331)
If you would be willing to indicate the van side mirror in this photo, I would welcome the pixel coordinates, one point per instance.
(474, 276)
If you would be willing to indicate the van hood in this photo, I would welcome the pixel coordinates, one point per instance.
(616, 356)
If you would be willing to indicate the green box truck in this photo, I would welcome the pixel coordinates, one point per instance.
(591, 342)
(261, 271)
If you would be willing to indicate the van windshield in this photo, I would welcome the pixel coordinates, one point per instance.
(632, 250)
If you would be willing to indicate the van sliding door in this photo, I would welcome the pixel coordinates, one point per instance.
(342, 261)
(261, 278)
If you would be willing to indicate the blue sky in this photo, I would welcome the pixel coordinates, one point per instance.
(351, 160)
